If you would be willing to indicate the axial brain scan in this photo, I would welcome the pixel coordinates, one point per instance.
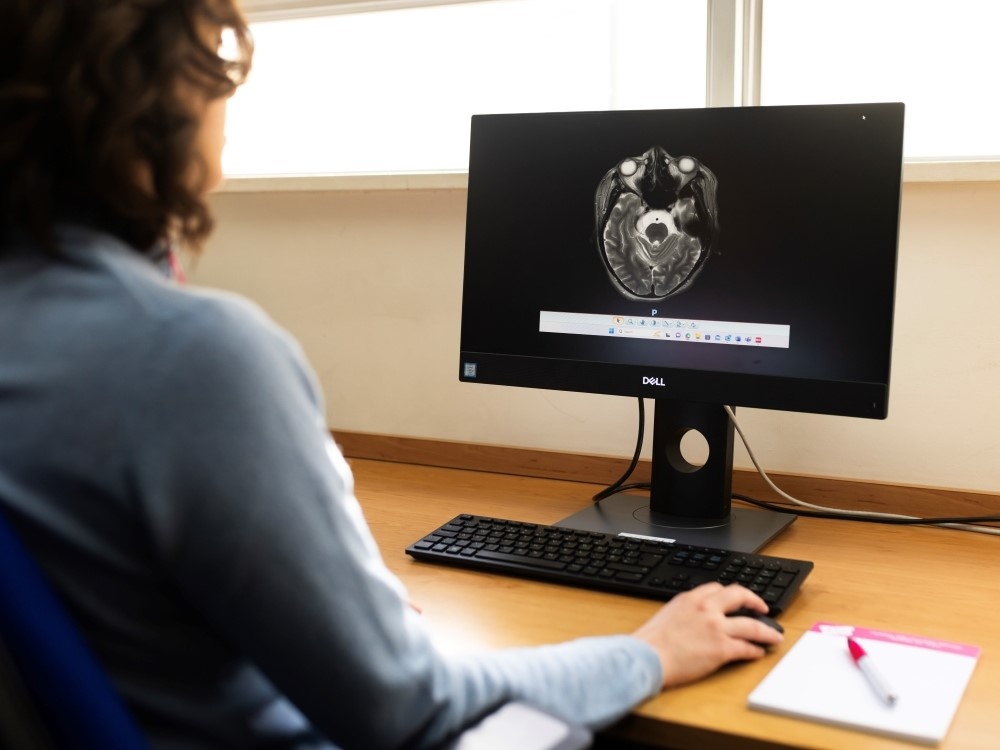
(657, 221)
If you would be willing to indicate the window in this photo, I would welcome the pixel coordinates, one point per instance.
(393, 90)
(940, 59)
(340, 88)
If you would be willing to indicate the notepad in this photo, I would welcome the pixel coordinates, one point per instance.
(817, 679)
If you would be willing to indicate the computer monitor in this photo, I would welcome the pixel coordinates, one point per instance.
(699, 257)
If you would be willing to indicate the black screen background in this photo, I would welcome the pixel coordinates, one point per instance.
(808, 201)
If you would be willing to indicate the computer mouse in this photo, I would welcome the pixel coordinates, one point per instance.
(760, 617)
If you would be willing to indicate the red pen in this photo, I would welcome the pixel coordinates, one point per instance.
(867, 667)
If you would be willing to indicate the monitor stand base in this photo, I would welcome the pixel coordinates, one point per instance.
(745, 530)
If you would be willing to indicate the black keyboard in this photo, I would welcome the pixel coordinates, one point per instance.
(617, 563)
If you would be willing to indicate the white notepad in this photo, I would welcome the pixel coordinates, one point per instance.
(817, 679)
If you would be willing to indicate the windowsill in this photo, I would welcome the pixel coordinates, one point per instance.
(966, 170)
(355, 182)
(913, 171)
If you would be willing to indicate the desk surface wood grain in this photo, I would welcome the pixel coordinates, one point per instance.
(931, 582)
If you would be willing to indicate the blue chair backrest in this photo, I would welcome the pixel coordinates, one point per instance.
(75, 699)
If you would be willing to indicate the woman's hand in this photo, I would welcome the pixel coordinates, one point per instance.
(694, 637)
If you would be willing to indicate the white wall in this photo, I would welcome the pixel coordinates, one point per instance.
(370, 283)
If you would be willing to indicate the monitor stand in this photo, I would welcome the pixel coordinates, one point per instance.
(688, 504)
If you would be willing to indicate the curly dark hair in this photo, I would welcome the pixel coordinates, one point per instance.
(96, 119)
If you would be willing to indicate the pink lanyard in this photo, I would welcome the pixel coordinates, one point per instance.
(176, 269)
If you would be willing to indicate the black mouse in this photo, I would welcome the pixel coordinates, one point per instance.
(760, 617)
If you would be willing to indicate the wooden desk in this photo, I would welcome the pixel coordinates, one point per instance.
(931, 582)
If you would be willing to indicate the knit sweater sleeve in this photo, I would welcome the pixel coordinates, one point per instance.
(251, 508)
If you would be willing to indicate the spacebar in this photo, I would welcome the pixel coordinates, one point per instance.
(530, 562)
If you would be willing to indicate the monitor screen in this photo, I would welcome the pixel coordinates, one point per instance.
(699, 257)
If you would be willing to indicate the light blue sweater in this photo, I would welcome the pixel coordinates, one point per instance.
(163, 451)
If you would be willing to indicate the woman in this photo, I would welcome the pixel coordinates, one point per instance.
(163, 449)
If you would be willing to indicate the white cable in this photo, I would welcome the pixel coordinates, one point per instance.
(842, 511)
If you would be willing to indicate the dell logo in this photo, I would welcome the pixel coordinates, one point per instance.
(652, 381)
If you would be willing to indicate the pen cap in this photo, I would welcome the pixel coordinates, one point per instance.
(856, 651)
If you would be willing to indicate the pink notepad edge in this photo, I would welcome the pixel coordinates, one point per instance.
(904, 639)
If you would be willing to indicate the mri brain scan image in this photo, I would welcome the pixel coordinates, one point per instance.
(657, 222)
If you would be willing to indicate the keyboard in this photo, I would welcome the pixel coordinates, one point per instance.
(620, 564)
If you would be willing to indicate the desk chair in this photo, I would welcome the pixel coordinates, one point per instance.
(66, 700)
(54, 694)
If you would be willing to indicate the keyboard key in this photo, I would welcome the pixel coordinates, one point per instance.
(541, 563)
